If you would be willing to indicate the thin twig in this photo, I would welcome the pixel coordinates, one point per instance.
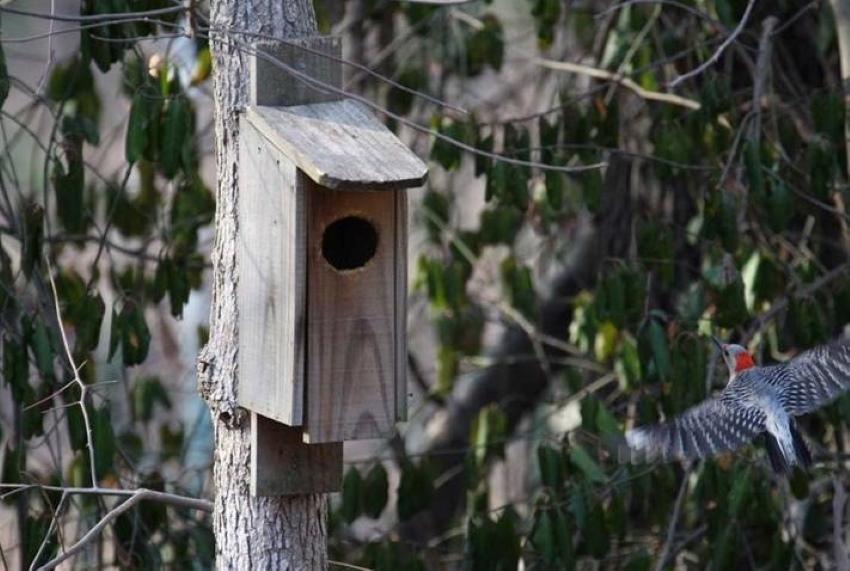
(620, 79)
(137, 497)
(719, 51)
(674, 521)
(93, 17)
(839, 547)
(325, 87)
(77, 379)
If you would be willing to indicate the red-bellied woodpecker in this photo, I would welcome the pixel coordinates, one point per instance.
(756, 400)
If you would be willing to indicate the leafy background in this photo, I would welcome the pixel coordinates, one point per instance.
(549, 309)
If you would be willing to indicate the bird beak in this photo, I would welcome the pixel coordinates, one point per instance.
(717, 342)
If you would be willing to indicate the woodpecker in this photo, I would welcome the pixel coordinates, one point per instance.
(756, 400)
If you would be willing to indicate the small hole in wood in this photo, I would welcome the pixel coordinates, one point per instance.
(349, 243)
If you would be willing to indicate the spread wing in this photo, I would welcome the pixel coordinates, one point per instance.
(716, 425)
(814, 378)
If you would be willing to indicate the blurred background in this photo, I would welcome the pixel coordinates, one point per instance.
(706, 144)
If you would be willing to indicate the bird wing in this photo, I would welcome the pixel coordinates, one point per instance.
(814, 377)
(716, 425)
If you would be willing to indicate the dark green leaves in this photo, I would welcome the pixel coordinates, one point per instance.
(493, 545)
(551, 536)
(364, 496)
(519, 287)
(376, 491)
(143, 125)
(445, 152)
(130, 332)
(147, 393)
(485, 47)
(415, 489)
(177, 129)
(33, 217)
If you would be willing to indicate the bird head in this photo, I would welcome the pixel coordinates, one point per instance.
(737, 358)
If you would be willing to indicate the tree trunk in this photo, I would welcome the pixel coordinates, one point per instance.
(251, 533)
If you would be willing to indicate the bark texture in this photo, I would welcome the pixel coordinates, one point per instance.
(251, 533)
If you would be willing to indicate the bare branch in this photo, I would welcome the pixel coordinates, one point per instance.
(674, 521)
(620, 79)
(719, 51)
(77, 379)
(117, 17)
(138, 496)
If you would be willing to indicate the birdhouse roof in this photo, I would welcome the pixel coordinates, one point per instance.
(340, 145)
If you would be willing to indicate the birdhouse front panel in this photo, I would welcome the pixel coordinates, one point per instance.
(322, 269)
(356, 299)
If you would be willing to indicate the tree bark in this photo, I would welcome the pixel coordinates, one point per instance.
(251, 533)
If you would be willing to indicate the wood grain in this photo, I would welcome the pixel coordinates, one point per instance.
(282, 465)
(272, 85)
(272, 280)
(353, 332)
(340, 145)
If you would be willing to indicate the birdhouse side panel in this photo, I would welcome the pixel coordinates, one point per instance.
(271, 281)
(401, 305)
(353, 305)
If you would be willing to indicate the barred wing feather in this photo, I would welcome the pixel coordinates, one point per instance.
(713, 426)
(814, 378)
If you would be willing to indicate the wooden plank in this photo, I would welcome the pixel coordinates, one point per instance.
(270, 84)
(340, 145)
(271, 281)
(352, 333)
(401, 306)
(282, 465)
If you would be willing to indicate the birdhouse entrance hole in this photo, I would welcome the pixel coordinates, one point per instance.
(349, 243)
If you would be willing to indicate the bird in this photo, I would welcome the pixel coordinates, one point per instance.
(756, 400)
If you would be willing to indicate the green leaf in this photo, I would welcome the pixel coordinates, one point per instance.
(176, 129)
(500, 225)
(103, 439)
(376, 491)
(352, 495)
(551, 465)
(143, 124)
(660, 349)
(436, 205)
(147, 393)
(87, 315)
(42, 348)
(587, 465)
(489, 433)
(721, 219)
(445, 152)
(415, 489)
(33, 216)
(15, 371)
(485, 47)
(135, 335)
(114, 333)
(519, 287)
(752, 166)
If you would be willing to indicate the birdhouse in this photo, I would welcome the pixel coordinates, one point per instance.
(322, 263)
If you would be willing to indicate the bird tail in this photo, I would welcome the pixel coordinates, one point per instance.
(801, 450)
(782, 463)
(774, 453)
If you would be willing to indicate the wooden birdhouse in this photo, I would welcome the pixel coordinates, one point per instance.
(322, 268)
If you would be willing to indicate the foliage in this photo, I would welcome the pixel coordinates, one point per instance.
(116, 240)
